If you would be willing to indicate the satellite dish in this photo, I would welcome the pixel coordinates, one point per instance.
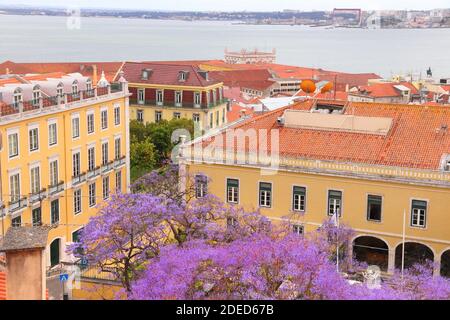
(308, 86)
(327, 88)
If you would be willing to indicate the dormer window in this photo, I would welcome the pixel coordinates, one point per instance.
(88, 85)
(75, 88)
(60, 90)
(182, 76)
(447, 164)
(17, 98)
(36, 95)
(146, 74)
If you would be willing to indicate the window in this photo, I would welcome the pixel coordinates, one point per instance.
(118, 181)
(299, 199)
(77, 201)
(52, 134)
(90, 123)
(35, 180)
(76, 235)
(88, 85)
(59, 90)
(298, 229)
(197, 99)
(214, 92)
(117, 152)
(53, 172)
(17, 221)
(265, 194)
(196, 117)
(105, 188)
(36, 217)
(177, 115)
(223, 115)
(13, 145)
(75, 127)
(92, 195)
(34, 139)
(211, 122)
(231, 222)
(159, 97)
(54, 211)
(334, 202)
(158, 116)
(75, 89)
(116, 116)
(17, 98)
(418, 213)
(374, 208)
(36, 96)
(104, 119)
(178, 98)
(76, 170)
(232, 191)
(91, 159)
(140, 115)
(141, 96)
(217, 118)
(14, 187)
(104, 153)
(201, 186)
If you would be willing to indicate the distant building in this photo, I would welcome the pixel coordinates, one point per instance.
(249, 57)
(385, 93)
(175, 91)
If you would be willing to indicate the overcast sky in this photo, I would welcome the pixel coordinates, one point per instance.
(237, 5)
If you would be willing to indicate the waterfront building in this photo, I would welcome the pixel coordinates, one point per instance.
(383, 168)
(64, 146)
(167, 91)
(250, 57)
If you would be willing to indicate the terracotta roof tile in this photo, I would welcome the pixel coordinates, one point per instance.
(415, 139)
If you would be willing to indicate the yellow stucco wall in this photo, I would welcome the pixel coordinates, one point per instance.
(218, 112)
(69, 222)
(397, 197)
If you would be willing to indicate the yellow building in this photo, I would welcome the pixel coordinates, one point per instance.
(168, 91)
(64, 147)
(385, 169)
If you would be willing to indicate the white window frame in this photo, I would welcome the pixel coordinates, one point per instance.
(419, 213)
(91, 159)
(197, 99)
(118, 177)
(178, 98)
(14, 190)
(141, 96)
(52, 135)
(35, 178)
(159, 97)
(13, 132)
(299, 201)
(233, 192)
(140, 115)
(75, 121)
(92, 189)
(53, 175)
(105, 152)
(34, 128)
(104, 118)
(117, 147)
(77, 201)
(90, 125)
(76, 165)
(117, 117)
(265, 197)
(105, 187)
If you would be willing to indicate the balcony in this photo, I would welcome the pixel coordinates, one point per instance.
(91, 174)
(107, 167)
(57, 188)
(119, 162)
(76, 180)
(17, 205)
(43, 103)
(172, 104)
(38, 196)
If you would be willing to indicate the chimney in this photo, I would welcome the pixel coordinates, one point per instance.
(24, 248)
(94, 74)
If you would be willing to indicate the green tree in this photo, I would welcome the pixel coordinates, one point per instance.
(142, 157)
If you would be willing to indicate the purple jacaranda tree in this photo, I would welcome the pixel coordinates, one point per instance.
(261, 267)
(124, 235)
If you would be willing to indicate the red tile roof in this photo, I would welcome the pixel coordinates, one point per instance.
(2, 285)
(379, 90)
(240, 78)
(36, 77)
(237, 111)
(414, 140)
(165, 74)
(85, 68)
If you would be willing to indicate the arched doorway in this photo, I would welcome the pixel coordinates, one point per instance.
(55, 247)
(372, 251)
(445, 264)
(414, 253)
